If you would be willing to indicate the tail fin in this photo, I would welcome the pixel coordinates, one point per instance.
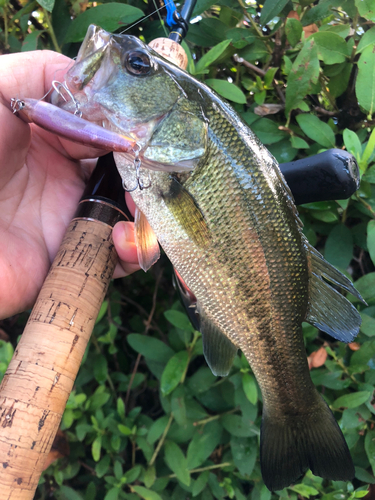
(329, 310)
(291, 444)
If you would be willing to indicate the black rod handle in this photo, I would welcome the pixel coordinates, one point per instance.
(332, 175)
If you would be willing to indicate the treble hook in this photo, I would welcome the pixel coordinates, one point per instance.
(137, 165)
(58, 86)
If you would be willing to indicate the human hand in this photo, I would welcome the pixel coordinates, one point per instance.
(42, 178)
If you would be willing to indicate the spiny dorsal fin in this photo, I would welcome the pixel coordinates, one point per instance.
(328, 309)
(218, 350)
(186, 211)
(147, 244)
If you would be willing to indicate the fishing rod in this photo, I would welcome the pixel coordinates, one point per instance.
(41, 374)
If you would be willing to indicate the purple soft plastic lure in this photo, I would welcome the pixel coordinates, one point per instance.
(70, 126)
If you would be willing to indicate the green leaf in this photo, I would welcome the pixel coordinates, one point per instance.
(298, 142)
(179, 320)
(339, 246)
(340, 29)
(367, 39)
(132, 474)
(304, 490)
(317, 130)
(365, 83)
(317, 13)
(200, 483)
(352, 143)
(240, 37)
(283, 151)
(157, 429)
(366, 8)
(177, 462)
(268, 131)
(361, 359)
(121, 407)
(31, 41)
(67, 493)
(368, 325)
(211, 56)
(173, 372)
(98, 399)
(249, 386)
(101, 369)
(112, 494)
(102, 466)
(332, 49)
(110, 16)
(96, 448)
(293, 31)
(371, 239)
(366, 285)
(124, 429)
(269, 77)
(271, 8)
(47, 4)
(227, 90)
(150, 347)
(203, 444)
(352, 400)
(369, 149)
(244, 452)
(370, 448)
(257, 51)
(364, 476)
(145, 493)
(303, 74)
(237, 426)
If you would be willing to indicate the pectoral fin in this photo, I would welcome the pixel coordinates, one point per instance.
(328, 309)
(218, 350)
(186, 211)
(145, 239)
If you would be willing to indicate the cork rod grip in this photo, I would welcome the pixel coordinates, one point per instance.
(40, 377)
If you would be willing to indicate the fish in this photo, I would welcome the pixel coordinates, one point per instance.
(213, 197)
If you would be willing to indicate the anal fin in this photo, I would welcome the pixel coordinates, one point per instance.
(145, 239)
(329, 310)
(218, 350)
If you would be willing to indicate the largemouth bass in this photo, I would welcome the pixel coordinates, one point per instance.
(220, 208)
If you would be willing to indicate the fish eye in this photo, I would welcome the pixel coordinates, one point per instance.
(138, 63)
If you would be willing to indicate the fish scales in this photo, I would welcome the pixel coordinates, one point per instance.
(224, 215)
(258, 243)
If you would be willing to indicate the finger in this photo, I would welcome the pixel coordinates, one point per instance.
(19, 79)
(123, 238)
(14, 144)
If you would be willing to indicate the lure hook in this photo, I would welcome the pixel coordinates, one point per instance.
(137, 166)
(58, 86)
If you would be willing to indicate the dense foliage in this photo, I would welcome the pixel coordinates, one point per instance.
(147, 419)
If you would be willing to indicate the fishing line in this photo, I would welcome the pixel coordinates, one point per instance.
(143, 19)
(161, 20)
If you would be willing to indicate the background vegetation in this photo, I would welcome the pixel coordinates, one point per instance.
(147, 419)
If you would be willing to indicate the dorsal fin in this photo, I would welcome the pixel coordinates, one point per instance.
(328, 309)
(145, 239)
